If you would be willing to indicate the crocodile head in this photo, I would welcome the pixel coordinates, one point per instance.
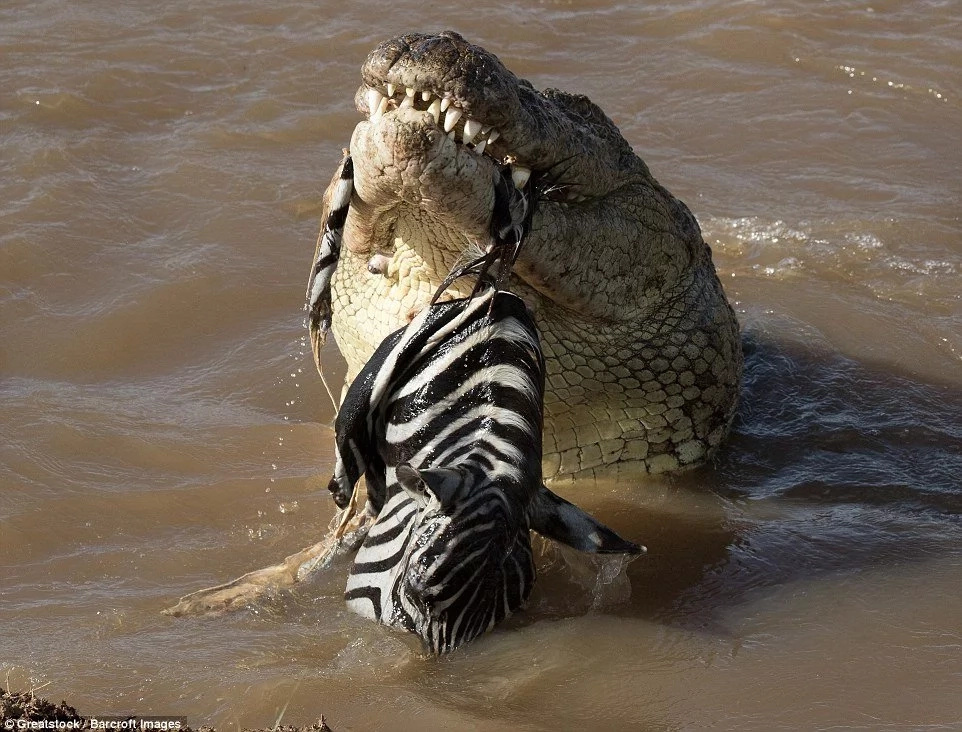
(442, 115)
(635, 325)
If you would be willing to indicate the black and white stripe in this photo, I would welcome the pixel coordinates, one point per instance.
(445, 423)
(328, 252)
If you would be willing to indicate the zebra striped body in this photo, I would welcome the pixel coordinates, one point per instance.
(445, 421)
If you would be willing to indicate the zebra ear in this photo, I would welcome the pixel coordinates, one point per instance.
(552, 516)
(423, 485)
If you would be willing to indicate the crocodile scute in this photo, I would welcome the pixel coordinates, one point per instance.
(642, 348)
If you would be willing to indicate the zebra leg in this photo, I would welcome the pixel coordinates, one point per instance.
(555, 518)
(346, 535)
(252, 586)
(337, 201)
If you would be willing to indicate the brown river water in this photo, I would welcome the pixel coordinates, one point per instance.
(163, 428)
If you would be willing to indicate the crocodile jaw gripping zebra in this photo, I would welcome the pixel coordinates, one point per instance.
(445, 423)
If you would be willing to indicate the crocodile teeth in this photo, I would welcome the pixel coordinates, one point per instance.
(374, 98)
(471, 129)
(520, 175)
(435, 110)
(473, 132)
(451, 118)
(381, 109)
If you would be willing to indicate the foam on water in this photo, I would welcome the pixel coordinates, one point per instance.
(854, 249)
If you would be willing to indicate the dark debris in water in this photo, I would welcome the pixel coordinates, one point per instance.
(28, 706)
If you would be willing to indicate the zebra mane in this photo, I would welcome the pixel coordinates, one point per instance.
(510, 224)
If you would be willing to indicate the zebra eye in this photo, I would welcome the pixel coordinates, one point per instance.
(440, 484)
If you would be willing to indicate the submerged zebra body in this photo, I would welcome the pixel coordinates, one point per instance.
(445, 422)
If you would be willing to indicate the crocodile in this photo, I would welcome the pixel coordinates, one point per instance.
(642, 348)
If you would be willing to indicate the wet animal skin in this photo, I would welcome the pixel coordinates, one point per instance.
(641, 346)
(444, 421)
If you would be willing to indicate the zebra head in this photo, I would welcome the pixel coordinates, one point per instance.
(449, 557)
(457, 554)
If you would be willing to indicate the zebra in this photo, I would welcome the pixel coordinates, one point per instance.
(445, 423)
(328, 251)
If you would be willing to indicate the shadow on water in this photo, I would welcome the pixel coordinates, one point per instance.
(834, 465)
(814, 425)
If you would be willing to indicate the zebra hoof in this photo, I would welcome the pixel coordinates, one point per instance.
(339, 493)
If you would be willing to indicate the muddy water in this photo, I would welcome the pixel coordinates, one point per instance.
(163, 430)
